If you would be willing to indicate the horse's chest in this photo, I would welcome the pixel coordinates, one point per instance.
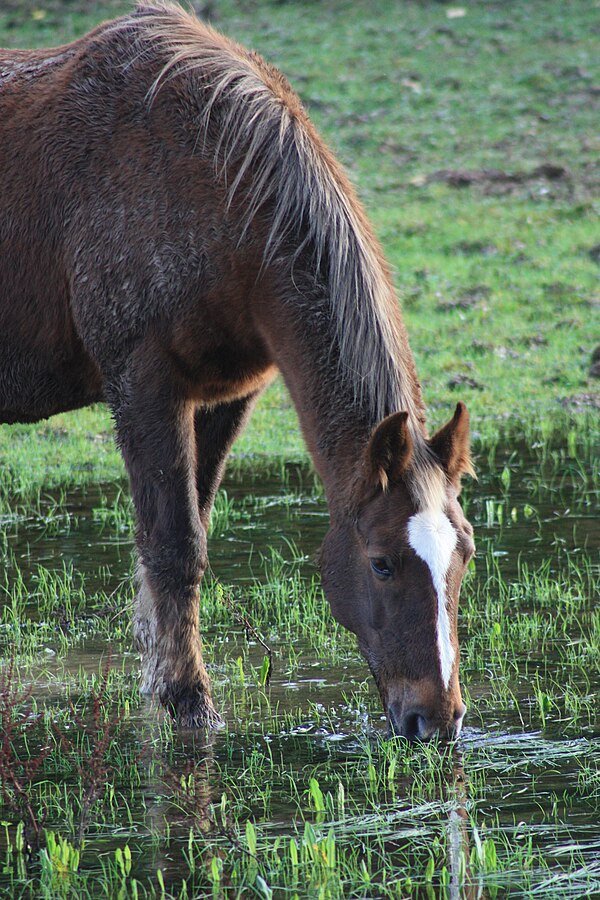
(222, 361)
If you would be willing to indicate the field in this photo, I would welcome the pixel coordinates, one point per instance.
(472, 135)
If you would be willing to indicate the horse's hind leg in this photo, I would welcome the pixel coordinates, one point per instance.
(155, 429)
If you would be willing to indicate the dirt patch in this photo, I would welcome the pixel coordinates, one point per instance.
(474, 248)
(594, 370)
(467, 300)
(459, 178)
(581, 402)
(594, 253)
(461, 380)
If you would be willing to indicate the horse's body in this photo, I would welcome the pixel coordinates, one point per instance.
(172, 233)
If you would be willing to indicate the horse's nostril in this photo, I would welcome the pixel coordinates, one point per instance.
(411, 725)
(414, 726)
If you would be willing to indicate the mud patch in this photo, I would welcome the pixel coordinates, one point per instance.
(581, 402)
(460, 178)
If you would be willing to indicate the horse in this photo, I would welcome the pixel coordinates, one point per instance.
(174, 233)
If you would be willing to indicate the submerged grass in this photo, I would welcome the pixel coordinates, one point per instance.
(300, 796)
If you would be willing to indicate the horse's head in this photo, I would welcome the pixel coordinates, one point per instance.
(392, 572)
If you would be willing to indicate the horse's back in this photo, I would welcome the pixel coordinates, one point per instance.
(18, 65)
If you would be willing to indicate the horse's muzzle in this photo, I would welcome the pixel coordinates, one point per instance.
(417, 724)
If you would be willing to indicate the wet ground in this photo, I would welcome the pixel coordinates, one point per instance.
(525, 773)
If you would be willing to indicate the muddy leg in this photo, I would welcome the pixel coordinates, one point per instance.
(155, 428)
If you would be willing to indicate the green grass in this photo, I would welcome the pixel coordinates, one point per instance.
(497, 283)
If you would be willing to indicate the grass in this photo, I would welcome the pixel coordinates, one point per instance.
(300, 796)
(496, 278)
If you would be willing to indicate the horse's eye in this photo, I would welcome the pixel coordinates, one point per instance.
(381, 567)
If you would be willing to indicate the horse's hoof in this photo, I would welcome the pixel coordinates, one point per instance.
(192, 708)
(211, 721)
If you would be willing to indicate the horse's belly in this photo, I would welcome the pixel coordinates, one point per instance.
(44, 368)
(215, 389)
(36, 381)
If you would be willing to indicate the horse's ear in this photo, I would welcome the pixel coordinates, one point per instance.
(389, 451)
(451, 445)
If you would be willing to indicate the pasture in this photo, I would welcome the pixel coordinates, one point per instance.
(471, 133)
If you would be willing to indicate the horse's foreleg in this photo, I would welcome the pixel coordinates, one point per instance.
(155, 428)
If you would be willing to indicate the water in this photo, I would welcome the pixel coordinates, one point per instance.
(524, 775)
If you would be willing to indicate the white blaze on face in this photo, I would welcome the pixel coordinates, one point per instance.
(433, 539)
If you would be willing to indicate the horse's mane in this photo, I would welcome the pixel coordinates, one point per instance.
(265, 131)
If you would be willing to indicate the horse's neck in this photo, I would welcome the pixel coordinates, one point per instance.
(335, 410)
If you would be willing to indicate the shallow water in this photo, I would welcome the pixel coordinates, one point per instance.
(527, 779)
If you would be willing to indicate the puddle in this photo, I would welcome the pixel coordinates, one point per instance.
(526, 769)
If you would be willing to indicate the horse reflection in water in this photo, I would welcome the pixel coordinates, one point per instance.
(183, 784)
(173, 232)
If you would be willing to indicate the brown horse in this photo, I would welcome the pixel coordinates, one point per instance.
(172, 233)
